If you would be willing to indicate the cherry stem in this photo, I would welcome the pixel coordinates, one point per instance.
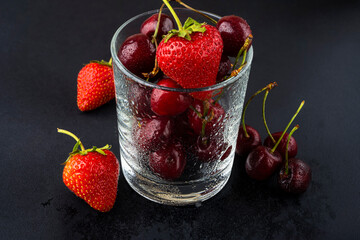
(244, 48)
(287, 149)
(158, 24)
(197, 11)
(292, 119)
(264, 118)
(73, 136)
(269, 86)
(174, 15)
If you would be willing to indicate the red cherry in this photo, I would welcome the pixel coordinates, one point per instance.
(168, 162)
(246, 144)
(183, 132)
(234, 30)
(261, 163)
(298, 178)
(209, 149)
(137, 54)
(139, 100)
(168, 103)
(154, 133)
(149, 25)
(206, 111)
(292, 149)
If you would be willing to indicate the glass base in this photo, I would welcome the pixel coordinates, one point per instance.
(178, 193)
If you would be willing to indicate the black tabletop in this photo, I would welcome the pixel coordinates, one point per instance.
(310, 48)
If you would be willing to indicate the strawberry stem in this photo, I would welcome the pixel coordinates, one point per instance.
(269, 86)
(264, 118)
(283, 133)
(174, 15)
(73, 136)
(287, 150)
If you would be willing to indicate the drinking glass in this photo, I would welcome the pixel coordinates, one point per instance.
(201, 178)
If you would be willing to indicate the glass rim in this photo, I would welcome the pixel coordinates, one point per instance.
(139, 80)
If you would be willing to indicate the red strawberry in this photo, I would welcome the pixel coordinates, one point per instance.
(191, 55)
(95, 85)
(92, 174)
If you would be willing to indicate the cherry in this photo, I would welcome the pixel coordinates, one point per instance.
(246, 144)
(224, 68)
(149, 26)
(139, 100)
(168, 162)
(137, 54)
(234, 30)
(263, 161)
(295, 175)
(248, 137)
(298, 178)
(205, 117)
(208, 149)
(153, 133)
(292, 147)
(168, 103)
(183, 131)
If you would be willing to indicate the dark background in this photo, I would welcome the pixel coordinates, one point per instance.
(311, 48)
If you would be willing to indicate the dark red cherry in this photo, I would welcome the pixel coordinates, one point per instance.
(139, 100)
(168, 162)
(227, 152)
(151, 134)
(209, 149)
(137, 54)
(246, 144)
(292, 149)
(168, 103)
(234, 30)
(149, 25)
(298, 178)
(261, 163)
(206, 111)
(183, 131)
(224, 68)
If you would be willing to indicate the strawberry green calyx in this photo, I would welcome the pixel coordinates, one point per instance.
(102, 62)
(189, 27)
(82, 151)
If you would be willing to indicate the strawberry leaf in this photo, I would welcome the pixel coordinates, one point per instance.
(190, 26)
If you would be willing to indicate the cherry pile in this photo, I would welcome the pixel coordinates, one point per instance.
(276, 155)
(175, 127)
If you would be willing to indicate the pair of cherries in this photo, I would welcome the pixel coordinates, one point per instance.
(262, 161)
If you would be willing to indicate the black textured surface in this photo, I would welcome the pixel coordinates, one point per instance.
(311, 48)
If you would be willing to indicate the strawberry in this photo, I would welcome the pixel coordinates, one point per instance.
(92, 174)
(95, 85)
(191, 55)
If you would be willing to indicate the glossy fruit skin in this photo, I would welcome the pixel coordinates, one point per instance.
(137, 54)
(168, 162)
(234, 30)
(167, 103)
(194, 63)
(95, 86)
(149, 25)
(246, 144)
(261, 163)
(214, 117)
(94, 178)
(209, 149)
(298, 178)
(139, 101)
(224, 68)
(153, 133)
(281, 148)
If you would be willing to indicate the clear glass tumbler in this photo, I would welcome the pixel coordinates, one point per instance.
(205, 159)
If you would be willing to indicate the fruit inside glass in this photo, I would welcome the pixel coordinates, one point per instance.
(176, 160)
